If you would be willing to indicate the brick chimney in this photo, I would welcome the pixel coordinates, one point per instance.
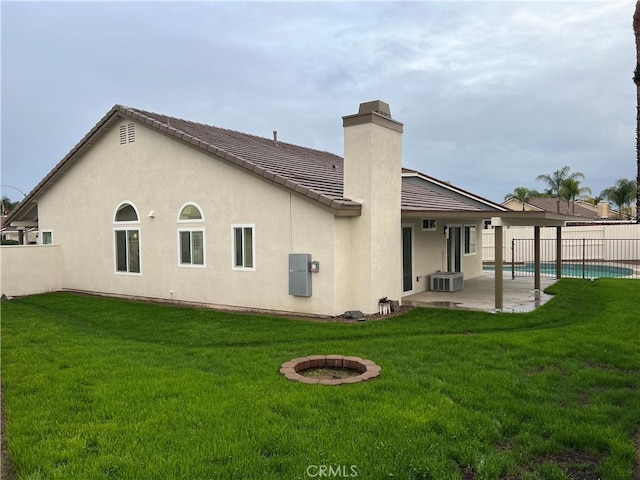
(373, 176)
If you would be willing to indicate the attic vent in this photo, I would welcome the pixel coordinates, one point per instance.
(127, 133)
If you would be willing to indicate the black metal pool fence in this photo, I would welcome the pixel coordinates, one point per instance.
(581, 258)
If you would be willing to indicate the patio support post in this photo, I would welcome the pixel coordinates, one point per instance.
(558, 252)
(536, 257)
(499, 260)
(20, 237)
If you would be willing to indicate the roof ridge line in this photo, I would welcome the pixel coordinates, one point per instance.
(252, 135)
(238, 160)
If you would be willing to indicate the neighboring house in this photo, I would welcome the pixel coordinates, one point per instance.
(10, 235)
(151, 206)
(581, 210)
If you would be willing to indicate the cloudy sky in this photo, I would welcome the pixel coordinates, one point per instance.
(492, 94)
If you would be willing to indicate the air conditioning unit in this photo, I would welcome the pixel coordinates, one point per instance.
(446, 281)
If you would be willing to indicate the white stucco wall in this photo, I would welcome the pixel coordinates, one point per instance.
(430, 251)
(372, 159)
(161, 175)
(343, 265)
(624, 246)
(29, 269)
(472, 263)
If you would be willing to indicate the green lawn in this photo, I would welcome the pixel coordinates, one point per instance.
(101, 388)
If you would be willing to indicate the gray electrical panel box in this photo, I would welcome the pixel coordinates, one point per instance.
(299, 274)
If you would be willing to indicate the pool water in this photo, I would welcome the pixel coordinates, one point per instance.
(570, 270)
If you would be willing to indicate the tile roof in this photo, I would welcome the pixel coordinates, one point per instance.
(318, 171)
(421, 197)
(549, 204)
(316, 174)
(435, 200)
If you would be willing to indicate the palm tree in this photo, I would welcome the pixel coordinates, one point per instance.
(522, 194)
(597, 199)
(622, 193)
(570, 190)
(6, 205)
(555, 180)
(636, 79)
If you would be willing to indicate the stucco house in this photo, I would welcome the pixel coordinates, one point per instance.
(156, 207)
(580, 211)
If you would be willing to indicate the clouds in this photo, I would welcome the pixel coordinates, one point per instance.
(536, 93)
(491, 94)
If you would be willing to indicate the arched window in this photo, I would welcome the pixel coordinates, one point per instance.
(127, 239)
(126, 213)
(191, 240)
(190, 212)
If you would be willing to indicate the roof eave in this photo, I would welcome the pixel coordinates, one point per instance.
(530, 218)
(346, 209)
(416, 213)
(506, 218)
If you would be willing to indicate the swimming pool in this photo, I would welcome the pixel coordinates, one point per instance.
(574, 270)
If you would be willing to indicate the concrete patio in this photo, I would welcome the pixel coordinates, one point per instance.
(478, 294)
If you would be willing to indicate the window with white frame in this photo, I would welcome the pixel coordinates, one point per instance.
(126, 213)
(191, 244)
(191, 240)
(127, 239)
(46, 237)
(190, 212)
(243, 241)
(470, 239)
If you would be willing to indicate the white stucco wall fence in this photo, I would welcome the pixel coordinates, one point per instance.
(598, 242)
(30, 269)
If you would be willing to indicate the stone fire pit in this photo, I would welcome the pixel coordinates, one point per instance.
(361, 369)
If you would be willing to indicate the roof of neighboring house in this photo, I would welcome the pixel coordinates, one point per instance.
(551, 205)
(313, 173)
(579, 208)
(585, 212)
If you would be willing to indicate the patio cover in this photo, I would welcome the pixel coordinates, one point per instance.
(501, 219)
